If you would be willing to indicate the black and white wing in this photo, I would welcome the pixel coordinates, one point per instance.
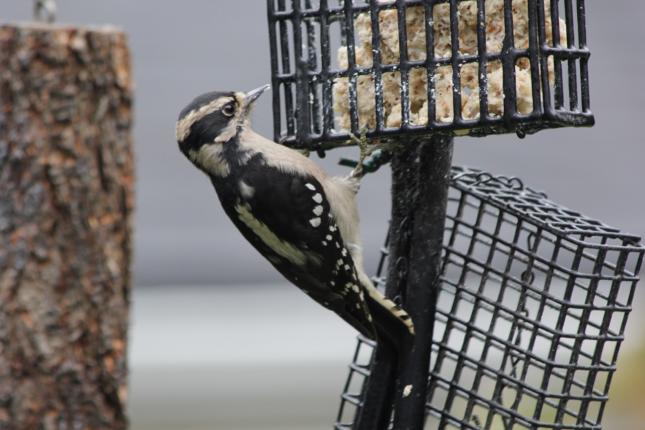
(287, 217)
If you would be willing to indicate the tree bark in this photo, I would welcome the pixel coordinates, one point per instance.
(66, 202)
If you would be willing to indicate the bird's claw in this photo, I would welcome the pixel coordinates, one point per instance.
(365, 151)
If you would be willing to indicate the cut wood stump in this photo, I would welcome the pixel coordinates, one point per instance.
(66, 203)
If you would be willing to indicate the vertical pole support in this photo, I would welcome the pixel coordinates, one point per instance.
(398, 379)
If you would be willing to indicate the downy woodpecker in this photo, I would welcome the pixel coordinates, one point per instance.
(299, 218)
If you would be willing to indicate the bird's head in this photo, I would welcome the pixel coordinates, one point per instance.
(211, 120)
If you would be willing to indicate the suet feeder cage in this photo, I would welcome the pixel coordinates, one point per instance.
(531, 313)
(519, 305)
(363, 67)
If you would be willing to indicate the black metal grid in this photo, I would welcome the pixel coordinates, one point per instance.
(304, 40)
(530, 316)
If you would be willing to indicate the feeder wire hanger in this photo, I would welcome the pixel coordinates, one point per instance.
(45, 11)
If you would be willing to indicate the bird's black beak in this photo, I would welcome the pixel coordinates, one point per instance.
(252, 96)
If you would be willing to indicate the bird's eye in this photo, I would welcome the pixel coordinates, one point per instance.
(229, 109)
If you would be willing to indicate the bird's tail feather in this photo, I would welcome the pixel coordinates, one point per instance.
(390, 320)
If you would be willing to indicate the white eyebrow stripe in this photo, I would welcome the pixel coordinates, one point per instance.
(184, 124)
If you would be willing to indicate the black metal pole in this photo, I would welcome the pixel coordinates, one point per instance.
(420, 181)
(376, 409)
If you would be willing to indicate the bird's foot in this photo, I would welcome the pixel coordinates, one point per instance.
(365, 151)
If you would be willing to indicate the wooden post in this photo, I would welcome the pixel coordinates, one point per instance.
(66, 202)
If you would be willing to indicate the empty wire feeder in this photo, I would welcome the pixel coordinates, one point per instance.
(530, 316)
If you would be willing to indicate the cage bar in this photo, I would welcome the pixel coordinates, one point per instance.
(530, 316)
(318, 120)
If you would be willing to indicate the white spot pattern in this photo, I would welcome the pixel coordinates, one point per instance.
(318, 210)
(315, 222)
(407, 390)
(310, 186)
(317, 198)
(246, 190)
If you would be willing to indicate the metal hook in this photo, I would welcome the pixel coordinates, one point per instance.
(515, 183)
(45, 10)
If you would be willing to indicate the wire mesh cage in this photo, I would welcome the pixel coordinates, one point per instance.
(363, 67)
(530, 315)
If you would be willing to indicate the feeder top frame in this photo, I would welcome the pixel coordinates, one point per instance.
(511, 195)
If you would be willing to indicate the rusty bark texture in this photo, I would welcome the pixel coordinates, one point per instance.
(66, 202)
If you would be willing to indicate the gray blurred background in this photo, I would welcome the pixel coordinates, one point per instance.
(222, 342)
(184, 48)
